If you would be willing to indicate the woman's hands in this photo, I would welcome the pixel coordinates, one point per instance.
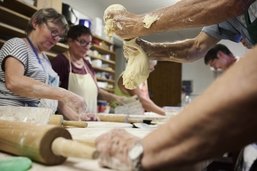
(88, 117)
(74, 107)
(114, 147)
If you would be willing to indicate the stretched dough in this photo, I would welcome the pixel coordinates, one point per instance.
(137, 69)
(108, 18)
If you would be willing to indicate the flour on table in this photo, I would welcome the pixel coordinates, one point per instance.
(137, 69)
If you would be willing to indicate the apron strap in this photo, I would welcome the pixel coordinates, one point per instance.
(85, 67)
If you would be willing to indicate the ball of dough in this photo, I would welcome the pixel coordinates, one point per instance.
(109, 10)
(108, 18)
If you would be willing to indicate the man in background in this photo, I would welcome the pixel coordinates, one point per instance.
(219, 58)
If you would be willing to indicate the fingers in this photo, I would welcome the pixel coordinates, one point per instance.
(89, 117)
(113, 147)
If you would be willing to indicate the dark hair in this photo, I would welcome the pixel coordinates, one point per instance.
(77, 30)
(212, 53)
(47, 14)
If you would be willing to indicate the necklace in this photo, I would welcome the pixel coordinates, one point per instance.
(77, 63)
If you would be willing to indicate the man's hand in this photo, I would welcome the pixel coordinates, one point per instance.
(120, 22)
(146, 46)
(113, 147)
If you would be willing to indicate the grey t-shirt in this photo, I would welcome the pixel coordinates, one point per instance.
(233, 29)
(19, 49)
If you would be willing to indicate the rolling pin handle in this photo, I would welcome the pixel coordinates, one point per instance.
(79, 124)
(69, 148)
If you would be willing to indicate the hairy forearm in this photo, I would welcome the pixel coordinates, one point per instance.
(21, 85)
(229, 104)
(187, 50)
(181, 52)
(193, 13)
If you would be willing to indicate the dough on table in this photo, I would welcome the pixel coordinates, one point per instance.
(137, 69)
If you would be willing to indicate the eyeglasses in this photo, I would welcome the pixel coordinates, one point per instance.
(54, 32)
(84, 43)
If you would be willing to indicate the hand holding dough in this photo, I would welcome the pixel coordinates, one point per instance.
(123, 23)
(113, 147)
(109, 13)
(137, 69)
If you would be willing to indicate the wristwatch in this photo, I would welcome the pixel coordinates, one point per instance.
(135, 154)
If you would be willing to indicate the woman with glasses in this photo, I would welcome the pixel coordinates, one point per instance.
(26, 76)
(75, 71)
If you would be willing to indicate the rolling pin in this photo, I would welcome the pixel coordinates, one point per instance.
(118, 118)
(58, 120)
(46, 144)
(129, 118)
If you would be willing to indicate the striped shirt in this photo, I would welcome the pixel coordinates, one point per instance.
(19, 49)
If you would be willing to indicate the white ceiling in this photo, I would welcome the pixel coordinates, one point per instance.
(143, 6)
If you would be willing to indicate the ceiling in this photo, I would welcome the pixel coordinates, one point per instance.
(139, 6)
(143, 6)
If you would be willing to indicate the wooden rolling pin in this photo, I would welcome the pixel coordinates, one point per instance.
(47, 144)
(118, 118)
(58, 120)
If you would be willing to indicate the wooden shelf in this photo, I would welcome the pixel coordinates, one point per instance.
(102, 50)
(13, 18)
(106, 80)
(104, 60)
(101, 39)
(60, 47)
(10, 31)
(104, 70)
(20, 7)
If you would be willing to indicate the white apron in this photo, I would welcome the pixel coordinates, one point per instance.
(85, 86)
